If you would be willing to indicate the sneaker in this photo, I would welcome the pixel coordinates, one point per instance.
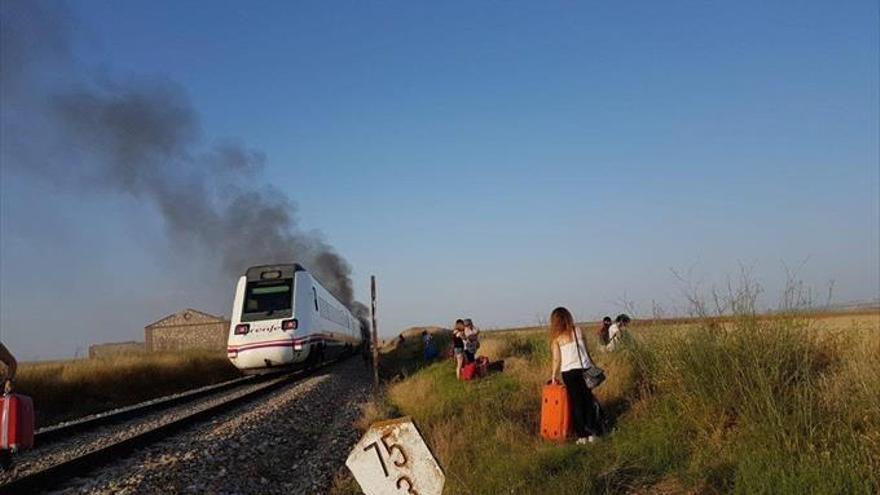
(582, 441)
(591, 439)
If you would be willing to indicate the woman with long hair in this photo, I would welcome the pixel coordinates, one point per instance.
(458, 346)
(471, 340)
(570, 359)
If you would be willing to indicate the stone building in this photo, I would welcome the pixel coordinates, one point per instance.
(115, 349)
(187, 329)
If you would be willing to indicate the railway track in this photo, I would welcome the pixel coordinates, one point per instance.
(48, 435)
(57, 473)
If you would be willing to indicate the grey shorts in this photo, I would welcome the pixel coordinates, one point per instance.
(458, 351)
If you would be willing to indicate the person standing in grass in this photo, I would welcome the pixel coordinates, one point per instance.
(570, 359)
(615, 332)
(430, 352)
(458, 346)
(602, 331)
(472, 340)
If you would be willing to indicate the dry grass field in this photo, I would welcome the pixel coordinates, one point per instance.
(750, 404)
(64, 390)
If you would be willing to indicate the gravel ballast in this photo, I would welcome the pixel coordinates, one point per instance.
(292, 441)
(63, 449)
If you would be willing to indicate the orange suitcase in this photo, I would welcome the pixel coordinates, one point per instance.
(555, 413)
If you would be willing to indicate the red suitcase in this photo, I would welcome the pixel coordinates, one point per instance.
(468, 371)
(555, 413)
(16, 422)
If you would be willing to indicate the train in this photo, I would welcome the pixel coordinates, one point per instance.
(282, 317)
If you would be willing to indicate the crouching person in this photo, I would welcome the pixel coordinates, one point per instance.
(616, 332)
(570, 359)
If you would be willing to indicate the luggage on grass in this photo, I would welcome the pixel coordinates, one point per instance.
(555, 412)
(468, 371)
(496, 366)
(482, 366)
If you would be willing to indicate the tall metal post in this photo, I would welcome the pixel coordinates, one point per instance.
(375, 332)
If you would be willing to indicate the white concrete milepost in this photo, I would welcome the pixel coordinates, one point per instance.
(392, 458)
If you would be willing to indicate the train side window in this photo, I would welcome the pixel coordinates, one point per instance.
(315, 293)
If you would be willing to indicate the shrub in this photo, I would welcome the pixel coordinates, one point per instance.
(749, 405)
(64, 390)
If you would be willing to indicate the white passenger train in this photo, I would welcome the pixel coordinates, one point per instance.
(282, 317)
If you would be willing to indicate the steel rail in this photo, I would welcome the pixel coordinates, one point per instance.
(57, 474)
(49, 434)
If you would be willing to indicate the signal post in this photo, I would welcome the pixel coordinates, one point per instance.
(375, 335)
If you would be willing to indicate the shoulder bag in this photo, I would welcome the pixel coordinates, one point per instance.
(594, 375)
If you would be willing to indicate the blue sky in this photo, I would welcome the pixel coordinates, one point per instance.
(490, 159)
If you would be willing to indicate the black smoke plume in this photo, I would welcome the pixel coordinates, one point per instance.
(142, 137)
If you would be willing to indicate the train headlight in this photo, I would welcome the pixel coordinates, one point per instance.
(289, 324)
(242, 329)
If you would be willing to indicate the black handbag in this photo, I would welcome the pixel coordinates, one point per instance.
(594, 375)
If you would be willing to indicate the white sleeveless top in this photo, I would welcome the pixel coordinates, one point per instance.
(568, 354)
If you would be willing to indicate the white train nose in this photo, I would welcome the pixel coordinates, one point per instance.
(282, 316)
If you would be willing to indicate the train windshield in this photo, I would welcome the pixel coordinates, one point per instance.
(268, 299)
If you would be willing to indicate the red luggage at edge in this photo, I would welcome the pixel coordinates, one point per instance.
(555, 413)
(16, 422)
(468, 371)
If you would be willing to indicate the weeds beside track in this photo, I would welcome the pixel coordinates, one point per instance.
(779, 405)
(66, 390)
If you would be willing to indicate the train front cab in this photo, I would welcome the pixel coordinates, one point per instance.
(282, 317)
(262, 334)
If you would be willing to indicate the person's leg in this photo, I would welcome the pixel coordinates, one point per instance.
(459, 357)
(591, 419)
(574, 386)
